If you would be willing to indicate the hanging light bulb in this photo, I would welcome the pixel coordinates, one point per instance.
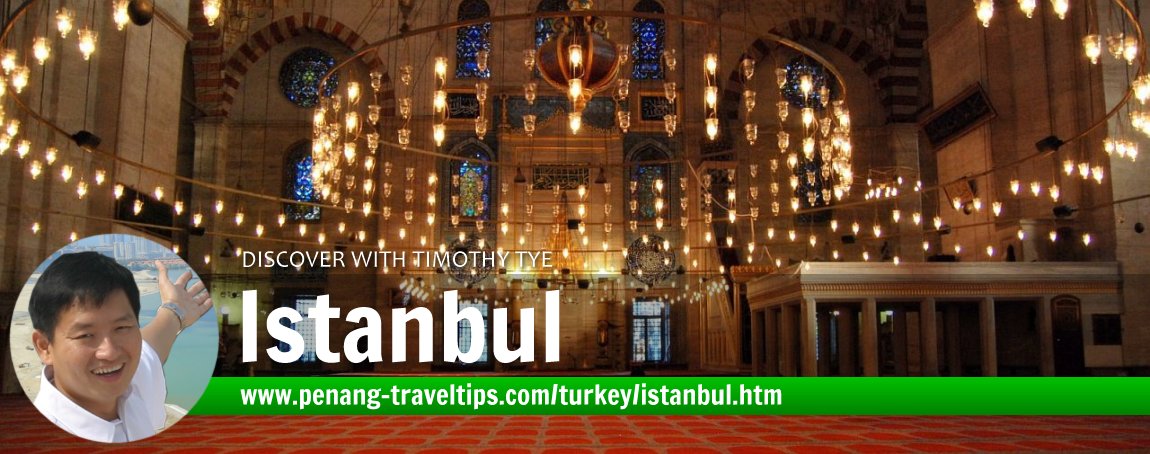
(575, 121)
(20, 75)
(66, 173)
(441, 68)
(219, 206)
(712, 128)
(118, 191)
(937, 221)
(1053, 236)
(178, 207)
(197, 219)
(1092, 45)
(64, 18)
(1060, 8)
(996, 207)
(711, 63)
(211, 11)
(439, 133)
(121, 17)
(1085, 239)
(1028, 7)
(984, 10)
(259, 230)
(87, 42)
(41, 49)
(137, 207)
(35, 168)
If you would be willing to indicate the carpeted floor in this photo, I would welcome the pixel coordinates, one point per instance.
(23, 429)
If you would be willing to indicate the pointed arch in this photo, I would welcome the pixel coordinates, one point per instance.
(217, 86)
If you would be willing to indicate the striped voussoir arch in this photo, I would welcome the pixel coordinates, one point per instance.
(850, 43)
(220, 86)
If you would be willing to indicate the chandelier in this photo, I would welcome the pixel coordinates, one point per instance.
(579, 59)
(472, 271)
(650, 259)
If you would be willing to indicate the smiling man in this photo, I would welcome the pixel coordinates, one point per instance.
(103, 376)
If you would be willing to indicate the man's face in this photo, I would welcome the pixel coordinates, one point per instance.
(94, 351)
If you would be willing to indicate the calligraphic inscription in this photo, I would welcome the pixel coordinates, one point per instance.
(654, 108)
(964, 113)
(462, 106)
(567, 176)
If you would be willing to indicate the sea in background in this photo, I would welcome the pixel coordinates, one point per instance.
(193, 358)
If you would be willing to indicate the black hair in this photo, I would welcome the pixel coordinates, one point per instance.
(78, 278)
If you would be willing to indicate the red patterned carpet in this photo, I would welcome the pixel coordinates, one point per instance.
(23, 429)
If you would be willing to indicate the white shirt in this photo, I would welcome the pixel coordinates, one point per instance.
(141, 409)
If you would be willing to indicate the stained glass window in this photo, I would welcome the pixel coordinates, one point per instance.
(465, 328)
(544, 29)
(472, 39)
(820, 77)
(300, 75)
(647, 37)
(298, 185)
(649, 331)
(645, 176)
(474, 182)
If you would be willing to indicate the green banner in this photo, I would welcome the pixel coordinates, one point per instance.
(675, 396)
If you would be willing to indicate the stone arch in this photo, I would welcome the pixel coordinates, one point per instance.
(877, 68)
(218, 79)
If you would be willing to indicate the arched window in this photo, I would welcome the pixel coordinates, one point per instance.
(472, 39)
(300, 75)
(471, 183)
(643, 179)
(544, 27)
(298, 184)
(647, 36)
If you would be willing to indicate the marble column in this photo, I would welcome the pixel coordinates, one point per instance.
(772, 339)
(809, 337)
(787, 339)
(1045, 337)
(953, 340)
(847, 341)
(757, 343)
(899, 339)
(928, 329)
(988, 337)
(870, 337)
(823, 320)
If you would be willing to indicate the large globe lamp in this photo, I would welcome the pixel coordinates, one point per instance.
(579, 59)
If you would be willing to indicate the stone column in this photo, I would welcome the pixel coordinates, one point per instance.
(823, 334)
(772, 339)
(787, 340)
(1045, 337)
(928, 328)
(898, 338)
(988, 339)
(870, 338)
(757, 343)
(809, 337)
(736, 291)
(953, 347)
(848, 333)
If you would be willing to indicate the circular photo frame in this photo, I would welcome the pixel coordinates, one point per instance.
(114, 338)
